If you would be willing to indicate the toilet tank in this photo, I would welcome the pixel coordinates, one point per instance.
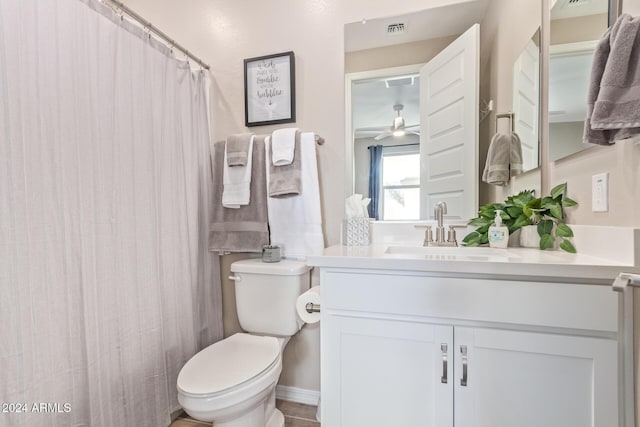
(266, 295)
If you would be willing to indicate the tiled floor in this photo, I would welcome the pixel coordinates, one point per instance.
(295, 415)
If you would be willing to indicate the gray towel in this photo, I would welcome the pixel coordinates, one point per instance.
(496, 169)
(243, 229)
(286, 180)
(515, 157)
(237, 148)
(613, 110)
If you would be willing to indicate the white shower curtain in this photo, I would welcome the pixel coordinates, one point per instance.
(106, 284)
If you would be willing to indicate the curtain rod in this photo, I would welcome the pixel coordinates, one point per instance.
(149, 26)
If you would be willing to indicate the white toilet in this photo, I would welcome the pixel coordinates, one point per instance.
(232, 382)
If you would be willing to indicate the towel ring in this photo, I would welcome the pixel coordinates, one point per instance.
(512, 119)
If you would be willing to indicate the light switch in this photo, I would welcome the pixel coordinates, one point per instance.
(600, 192)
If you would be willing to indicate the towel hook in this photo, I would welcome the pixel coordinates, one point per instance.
(512, 119)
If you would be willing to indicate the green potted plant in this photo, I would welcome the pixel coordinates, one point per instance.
(523, 209)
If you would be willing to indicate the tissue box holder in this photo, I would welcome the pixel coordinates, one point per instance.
(355, 231)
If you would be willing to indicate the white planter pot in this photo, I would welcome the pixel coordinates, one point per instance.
(529, 237)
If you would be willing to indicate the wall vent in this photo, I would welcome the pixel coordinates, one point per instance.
(396, 28)
(578, 2)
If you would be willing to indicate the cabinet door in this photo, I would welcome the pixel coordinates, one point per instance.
(380, 372)
(528, 379)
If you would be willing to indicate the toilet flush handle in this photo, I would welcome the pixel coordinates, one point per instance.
(236, 278)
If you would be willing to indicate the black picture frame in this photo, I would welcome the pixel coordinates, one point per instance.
(270, 89)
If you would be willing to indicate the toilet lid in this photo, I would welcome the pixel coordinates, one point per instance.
(228, 363)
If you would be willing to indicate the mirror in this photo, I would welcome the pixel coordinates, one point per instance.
(526, 101)
(576, 27)
(384, 87)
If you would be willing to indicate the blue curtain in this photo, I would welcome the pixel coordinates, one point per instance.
(375, 176)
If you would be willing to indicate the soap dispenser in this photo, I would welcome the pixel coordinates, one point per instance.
(498, 233)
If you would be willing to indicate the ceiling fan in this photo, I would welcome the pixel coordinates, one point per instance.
(398, 127)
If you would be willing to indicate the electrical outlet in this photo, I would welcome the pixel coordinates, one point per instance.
(600, 192)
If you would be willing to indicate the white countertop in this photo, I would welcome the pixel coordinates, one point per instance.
(462, 261)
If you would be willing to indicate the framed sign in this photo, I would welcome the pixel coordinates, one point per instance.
(269, 89)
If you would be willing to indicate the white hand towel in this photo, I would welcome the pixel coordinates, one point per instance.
(283, 145)
(237, 181)
(295, 222)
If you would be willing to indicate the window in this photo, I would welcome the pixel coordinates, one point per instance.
(400, 195)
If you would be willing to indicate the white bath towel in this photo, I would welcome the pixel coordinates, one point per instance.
(283, 146)
(237, 181)
(295, 222)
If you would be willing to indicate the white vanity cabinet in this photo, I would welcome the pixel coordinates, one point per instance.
(415, 349)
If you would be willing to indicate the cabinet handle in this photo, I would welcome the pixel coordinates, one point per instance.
(463, 351)
(443, 349)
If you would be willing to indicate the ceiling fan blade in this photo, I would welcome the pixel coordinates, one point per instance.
(373, 128)
(415, 132)
(382, 136)
(411, 126)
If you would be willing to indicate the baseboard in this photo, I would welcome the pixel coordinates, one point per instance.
(298, 395)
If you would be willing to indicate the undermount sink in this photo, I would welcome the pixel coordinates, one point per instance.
(452, 252)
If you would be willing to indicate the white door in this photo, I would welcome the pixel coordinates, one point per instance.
(526, 84)
(534, 380)
(449, 128)
(386, 373)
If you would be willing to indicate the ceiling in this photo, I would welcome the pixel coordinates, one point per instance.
(373, 103)
(574, 8)
(427, 24)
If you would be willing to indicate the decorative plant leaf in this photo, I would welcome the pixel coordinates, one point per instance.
(519, 200)
(545, 227)
(567, 202)
(558, 190)
(472, 239)
(514, 212)
(520, 222)
(476, 222)
(567, 246)
(563, 230)
(547, 202)
(546, 241)
(556, 211)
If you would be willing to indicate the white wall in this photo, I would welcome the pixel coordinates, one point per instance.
(567, 139)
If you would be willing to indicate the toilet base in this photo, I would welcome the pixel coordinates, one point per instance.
(276, 419)
(255, 418)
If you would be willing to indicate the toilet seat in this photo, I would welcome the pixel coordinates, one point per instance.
(228, 364)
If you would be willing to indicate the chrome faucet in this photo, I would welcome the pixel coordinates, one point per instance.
(439, 211)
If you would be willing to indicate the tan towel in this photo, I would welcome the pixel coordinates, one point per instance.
(613, 100)
(237, 149)
(244, 229)
(496, 169)
(285, 180)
